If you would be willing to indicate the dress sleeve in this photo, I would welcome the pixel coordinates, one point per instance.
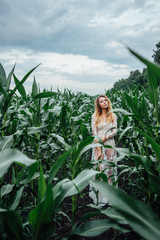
(113, 132)
(96, 150)
(94, 128)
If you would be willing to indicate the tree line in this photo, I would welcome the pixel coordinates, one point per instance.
(137, 78)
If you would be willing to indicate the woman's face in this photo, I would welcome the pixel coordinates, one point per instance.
(103, 103)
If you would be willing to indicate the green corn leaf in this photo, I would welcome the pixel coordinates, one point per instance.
(41, 217)
(3, 81)
(61, 140)
(92, 214)
(111, 213)
(34, 88)
(84, 143)
(132, 104)
(6, 142)
(35, 130)
(154, 183)
(17, 199)
(10, 77)
(8, 156)
(92, 145)
(137, 114)
(57, 165)
(7, 102)
(63, 119)
(20, 87)
(5, 189)
(45, 95)
(121, 110)
(84, 132)
(143, 160)
(2, 90)
(155, 145)
(151, 66)
(1, 101)
(139, 216)
(41, 185)
(96, 227)
(143, 109)
(123, 133)
(13, 180)
(67, 188)
(153, 81)
(11, 224)
(154, 180)
(31, 171)
(153, 85)
(22, 81)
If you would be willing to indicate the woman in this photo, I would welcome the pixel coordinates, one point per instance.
(104, 125)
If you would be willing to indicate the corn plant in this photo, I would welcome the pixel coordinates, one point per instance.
(136, 213)
(42, 218)
(45, 148)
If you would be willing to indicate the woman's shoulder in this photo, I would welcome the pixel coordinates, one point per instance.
(93, 116)
(114, 115)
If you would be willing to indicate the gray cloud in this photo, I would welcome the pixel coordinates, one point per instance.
(62, 27)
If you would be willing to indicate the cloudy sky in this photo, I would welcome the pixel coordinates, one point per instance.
(79, 43)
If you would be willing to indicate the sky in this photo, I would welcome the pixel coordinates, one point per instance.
(81, 44)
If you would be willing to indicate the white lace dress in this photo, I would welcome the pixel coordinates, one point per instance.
(108, 154)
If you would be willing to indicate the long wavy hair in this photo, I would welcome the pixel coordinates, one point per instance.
(98, 110)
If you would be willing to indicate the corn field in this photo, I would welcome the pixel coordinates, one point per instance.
(45, 163)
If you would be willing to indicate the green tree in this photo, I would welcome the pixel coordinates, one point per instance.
(135, 78)
(156, 55)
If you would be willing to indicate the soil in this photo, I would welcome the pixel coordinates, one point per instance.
(65, 226)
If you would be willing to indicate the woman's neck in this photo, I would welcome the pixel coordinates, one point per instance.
(104, 112)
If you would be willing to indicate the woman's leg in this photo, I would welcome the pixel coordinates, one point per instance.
(98, 155)
(110, 153)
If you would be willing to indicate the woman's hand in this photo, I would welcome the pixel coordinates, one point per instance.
(97, 141)
(99, 153)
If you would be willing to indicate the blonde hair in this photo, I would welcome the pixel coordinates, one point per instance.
(98, 110)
